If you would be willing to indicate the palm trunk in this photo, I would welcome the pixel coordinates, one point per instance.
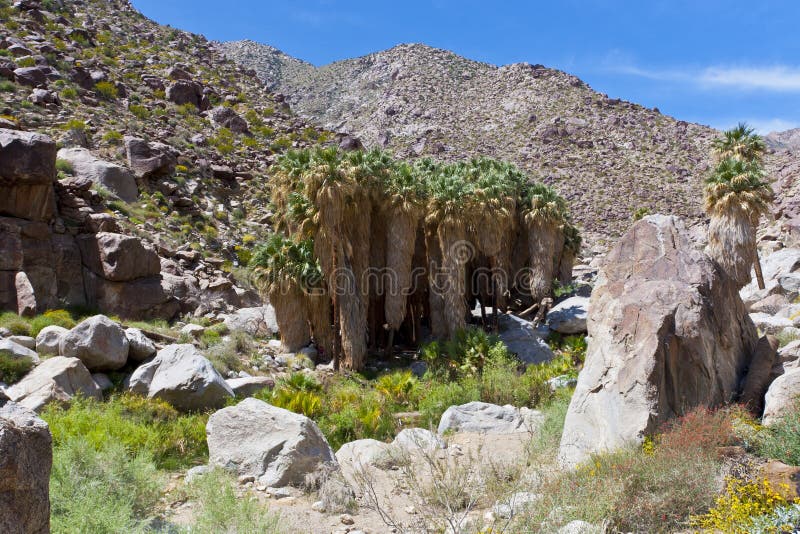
(759, 274)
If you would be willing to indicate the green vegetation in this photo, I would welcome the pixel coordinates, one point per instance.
(12, 369)
(781, 440)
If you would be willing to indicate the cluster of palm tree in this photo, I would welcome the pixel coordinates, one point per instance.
(396, 247)
(737, 194)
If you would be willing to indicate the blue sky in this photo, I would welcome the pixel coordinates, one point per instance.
(709, 61)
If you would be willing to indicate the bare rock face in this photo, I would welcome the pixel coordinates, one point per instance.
(27, 173)
(118, 257)
(277, 447)
(26, 457)
(668, 332)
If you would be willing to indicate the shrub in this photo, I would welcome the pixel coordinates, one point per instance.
(74, 124)
(442, 395)
(106, 90)
(139, 111)
(105, 490)
(781, 440)
(220, 509)
(26, 62)
(19, 326)
(68, 93)
(737, 508)
(7, 86)
(12, 369)
(49, 318)
(140, 425)
(64, 166)
(112, 137)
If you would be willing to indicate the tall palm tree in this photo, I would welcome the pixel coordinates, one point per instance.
(740, 144)
(736, 195)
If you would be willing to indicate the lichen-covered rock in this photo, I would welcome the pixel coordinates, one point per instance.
(668, 332)
(26, 457)
(277, 447)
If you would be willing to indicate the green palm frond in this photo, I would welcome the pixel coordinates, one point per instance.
(740, 142)
(737, 185)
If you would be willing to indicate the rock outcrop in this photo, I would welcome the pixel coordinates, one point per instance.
(26, 457)
(668, 332)
(277, 447)
(118, 180)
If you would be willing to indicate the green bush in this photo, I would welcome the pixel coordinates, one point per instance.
(220, 509)
(139, 111)
(68, 93)
(140, 425)
(106, 90)
(101, 490)
(112, 137)
(61, 318)
(7, 86)
(12, 369)
(19, 326)
(781, 441)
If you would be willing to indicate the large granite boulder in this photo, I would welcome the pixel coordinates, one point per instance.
(277, 447)
(55, 379)
(115, 178)
(118, 257)
(26, 457)
(149, 159)
(523, 339)
(27, 174)
(48, 340)
(667, 332)
(182, 376)
(486, 418)
(98, 342)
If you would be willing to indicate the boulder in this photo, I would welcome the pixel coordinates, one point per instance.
(118, 257)
(485, 418)
(55, 379)
(779, 264)
(569, 316)
(118, 180)
(25, 295)
(26, 341)
(143, 298)
(228, 118)
(275, 446)
(182, 376)
(250, 385)
(149, 159)
(667, 332)
(259, 321)
(770, 305)
(781, 395)
(26, 457)
(523, 339)
(770, 324)
(759, 374)
(414, 439)
(32, 76)
(103, 381)
(140, 346)
(187, 92)
(98, 342)
(362, 452)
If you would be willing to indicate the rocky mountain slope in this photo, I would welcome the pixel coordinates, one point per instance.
(161, 139)
(608, 157)
(785, 140)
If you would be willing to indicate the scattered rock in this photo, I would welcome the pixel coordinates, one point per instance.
(414, 439)
(249, 386)
(149, 159)
(362, 452)
(523, 339)
(259, 321)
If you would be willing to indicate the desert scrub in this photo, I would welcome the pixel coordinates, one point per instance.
(18, 326)
(12, 369)
(101, 490)
(139, 425)
(742, 503)
(219, 508)
(106, 90)
(781, 440)
(61, 318)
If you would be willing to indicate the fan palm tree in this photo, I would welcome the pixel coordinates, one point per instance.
(741, 143)
(736, 195)
(744, 145)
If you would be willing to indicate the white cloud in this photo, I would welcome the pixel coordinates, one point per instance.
(777, 78)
